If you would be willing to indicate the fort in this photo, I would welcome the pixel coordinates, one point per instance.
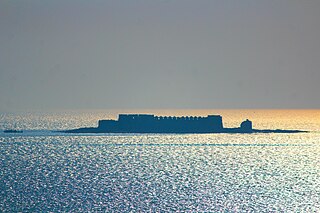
(147, 123)
(143, 123)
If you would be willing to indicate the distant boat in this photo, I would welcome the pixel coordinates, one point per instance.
(12, 131)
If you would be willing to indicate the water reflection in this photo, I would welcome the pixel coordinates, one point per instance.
(160, 173)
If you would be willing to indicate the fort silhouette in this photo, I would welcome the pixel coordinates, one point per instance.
(147, 123)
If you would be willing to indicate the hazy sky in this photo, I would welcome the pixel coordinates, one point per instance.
(74, 54)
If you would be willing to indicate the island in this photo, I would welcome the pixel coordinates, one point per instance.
(12, 131)
(148, 123)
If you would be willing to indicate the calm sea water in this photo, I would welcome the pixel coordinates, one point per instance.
(45, 171)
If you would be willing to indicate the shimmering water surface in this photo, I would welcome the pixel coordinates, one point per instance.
(46, 171)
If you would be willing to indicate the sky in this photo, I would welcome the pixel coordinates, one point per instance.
(161, 54)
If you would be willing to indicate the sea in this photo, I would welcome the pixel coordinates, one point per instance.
(42, 170)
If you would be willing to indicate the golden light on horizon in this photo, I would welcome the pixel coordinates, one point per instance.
(305, 119)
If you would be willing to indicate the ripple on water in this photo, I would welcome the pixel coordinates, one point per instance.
(278, 172)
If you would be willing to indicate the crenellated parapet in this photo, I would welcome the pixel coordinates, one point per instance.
(127, 117)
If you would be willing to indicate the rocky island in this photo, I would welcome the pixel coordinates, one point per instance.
(147, 123)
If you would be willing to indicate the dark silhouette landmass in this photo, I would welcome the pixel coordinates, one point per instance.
(144, 123)
(12, 131)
